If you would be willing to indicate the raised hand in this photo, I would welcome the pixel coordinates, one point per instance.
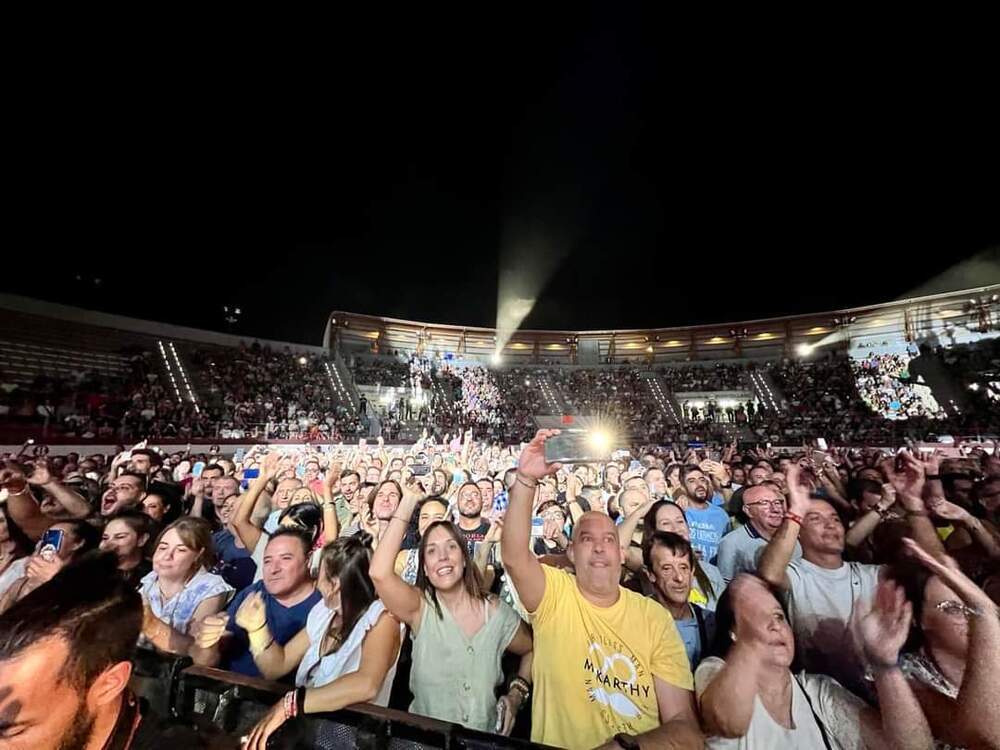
(883, 625)
(951, 575)
(272, 465)
(41, 475)
(949, 511)
(252, 614)
(197, 486)
(532, 463)
(495, 534)
(798, 496)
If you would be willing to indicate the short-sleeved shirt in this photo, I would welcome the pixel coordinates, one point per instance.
(820, 605)
(593, 666)
(179, 609)
(708, 525)
(697, 636)
(815, 698)
(283, 623)
(475, 537)
(236, 564)
(738, 551)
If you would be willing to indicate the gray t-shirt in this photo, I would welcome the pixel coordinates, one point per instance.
(739, 549)
(837, 709)
(820, 605)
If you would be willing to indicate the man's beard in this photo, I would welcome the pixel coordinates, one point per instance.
(467, 514)
(78, 734)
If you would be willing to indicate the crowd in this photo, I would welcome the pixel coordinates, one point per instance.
(253, 392)
(718, 597)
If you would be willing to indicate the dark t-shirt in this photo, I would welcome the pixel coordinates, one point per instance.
(284, 623)
(472, 538)
(236, 565)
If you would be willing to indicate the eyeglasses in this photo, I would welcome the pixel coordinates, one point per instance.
(957, 609)
(777, 504)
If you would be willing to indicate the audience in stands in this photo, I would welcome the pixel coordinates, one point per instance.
(611, 565)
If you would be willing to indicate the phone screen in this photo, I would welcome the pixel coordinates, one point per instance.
(197, 469)
(537, 526)
(51, 541)
(575, 446)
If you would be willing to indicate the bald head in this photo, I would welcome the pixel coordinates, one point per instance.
(593, 522)
(632, 500)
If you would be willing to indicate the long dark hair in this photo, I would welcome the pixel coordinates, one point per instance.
(649, 528)
(308, 516)
(472, 579)
(347, 561)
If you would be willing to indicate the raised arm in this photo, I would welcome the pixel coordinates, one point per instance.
(331, 526)
(727, 703)
(24, 509)
(883, 628)
(773, 566)
(399, 597)
(248, 533)
(865, 525)
(518, 559)
(909, 486)
(74, 505)
(978, 701)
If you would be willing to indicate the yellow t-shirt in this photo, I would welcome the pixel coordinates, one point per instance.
(593, 666)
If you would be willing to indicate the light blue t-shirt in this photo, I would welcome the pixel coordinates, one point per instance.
(708, 526)
(690, 634)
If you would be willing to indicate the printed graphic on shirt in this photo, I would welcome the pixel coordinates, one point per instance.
(617, 680)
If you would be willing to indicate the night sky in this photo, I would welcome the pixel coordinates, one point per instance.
(397, 177)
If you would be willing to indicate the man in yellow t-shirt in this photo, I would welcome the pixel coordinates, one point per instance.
(609, 668)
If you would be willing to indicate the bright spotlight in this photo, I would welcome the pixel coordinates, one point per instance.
(803, 350)
(496, 360)
(302, 360)
(973, 386)
(600, 441)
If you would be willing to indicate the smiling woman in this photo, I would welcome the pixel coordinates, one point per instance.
(180, 591)
(458, 629)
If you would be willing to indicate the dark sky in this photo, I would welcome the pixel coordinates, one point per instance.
(396, 176)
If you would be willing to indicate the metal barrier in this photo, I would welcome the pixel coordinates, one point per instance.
(234, 703)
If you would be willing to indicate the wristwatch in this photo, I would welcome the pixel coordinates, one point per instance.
(627, 741)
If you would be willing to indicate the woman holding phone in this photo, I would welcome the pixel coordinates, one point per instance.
(61, 543)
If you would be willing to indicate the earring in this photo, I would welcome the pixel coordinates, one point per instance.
(732, 636)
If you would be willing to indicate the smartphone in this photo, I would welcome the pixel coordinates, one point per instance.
(715, 456)
(51, 541)
(537, 525)
(238, 455)
(251, 473)
(635, 465)
(300, 471)
(419, 470)
(197, 469)
(576, 447)
(821, 444)
(501, 716)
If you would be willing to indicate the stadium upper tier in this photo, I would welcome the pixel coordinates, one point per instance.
(942, 319)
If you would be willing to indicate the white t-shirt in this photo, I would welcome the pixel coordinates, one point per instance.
(838, 709)
(347, 658)
(15, 571)
(820, 604)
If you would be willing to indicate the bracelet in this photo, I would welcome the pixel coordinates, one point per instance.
(300, 700)
(789, 516)
(933, 476)
(917, 513)
(518, 478)
(288, 703)
(521, 686)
